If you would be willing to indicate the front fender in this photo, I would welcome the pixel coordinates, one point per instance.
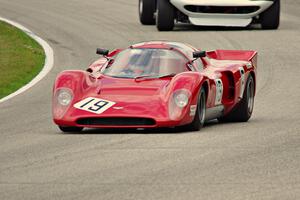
(77, 80)
(191, 81)
(74, 81)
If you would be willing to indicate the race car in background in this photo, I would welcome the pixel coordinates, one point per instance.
(157, 84)
(231, 13)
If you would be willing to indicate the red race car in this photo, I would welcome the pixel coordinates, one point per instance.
(156, 84)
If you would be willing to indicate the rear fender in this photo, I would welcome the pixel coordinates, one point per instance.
(250, 67)
(234, 55)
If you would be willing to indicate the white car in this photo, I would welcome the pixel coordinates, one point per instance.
(231, 13)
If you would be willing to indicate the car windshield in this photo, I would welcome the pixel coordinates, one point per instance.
(133, 63)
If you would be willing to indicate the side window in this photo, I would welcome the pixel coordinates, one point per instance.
(198, 64)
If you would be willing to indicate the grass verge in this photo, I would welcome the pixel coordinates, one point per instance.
(21, 59)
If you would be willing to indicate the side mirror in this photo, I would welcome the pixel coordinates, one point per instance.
(103, 52)
(199, 54)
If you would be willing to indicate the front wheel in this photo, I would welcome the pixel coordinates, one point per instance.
(199, 118)
(70, 129)
(271, 17)
(165, 15)
(146, 11)
(243, 111)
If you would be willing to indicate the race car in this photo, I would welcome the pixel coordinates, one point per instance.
(157, 84)
(231, 13)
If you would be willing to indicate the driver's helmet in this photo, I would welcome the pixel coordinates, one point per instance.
(140, 64)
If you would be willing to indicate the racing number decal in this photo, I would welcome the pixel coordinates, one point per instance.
(242, 81)
(97, 106)
(94, 105)
(219, 91)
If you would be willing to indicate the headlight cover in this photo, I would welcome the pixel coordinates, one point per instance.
(181, 99)
(61, 101)
(178, 101)
(64, 97)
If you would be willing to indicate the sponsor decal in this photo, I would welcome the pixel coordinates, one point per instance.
(193, 109)
(242, 81)
(219, 91)
(118, 108)
(94, 105)
(249, 65)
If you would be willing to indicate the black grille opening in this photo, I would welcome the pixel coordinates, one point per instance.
(116, 121)
(222, 9)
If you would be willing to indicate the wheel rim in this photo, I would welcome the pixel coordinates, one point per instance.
(250, 94)
(202, 109)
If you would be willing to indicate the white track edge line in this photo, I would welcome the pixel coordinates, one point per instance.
(49, 60)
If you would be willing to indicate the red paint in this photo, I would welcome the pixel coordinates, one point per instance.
(150, 98)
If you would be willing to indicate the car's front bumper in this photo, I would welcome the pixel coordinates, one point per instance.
(117, 121)
(199, 17)
(128, 117)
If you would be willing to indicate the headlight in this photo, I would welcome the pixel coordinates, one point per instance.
(61, 102)
(181, 97)
(64, 97)
(178, 101)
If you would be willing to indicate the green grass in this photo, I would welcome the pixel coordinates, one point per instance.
(21, 59)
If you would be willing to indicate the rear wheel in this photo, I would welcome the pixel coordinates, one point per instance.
(199, 119)
(165, 15)
(70, 129)
(243, 111)
(146, 11)
(270, 18)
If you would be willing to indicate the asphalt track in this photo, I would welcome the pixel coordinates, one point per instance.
(255, 160)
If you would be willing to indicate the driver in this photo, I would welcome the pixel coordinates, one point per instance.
(138, 65)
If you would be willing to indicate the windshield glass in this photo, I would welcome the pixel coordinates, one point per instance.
(132, 63)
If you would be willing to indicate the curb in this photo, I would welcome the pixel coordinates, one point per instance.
(49, 61)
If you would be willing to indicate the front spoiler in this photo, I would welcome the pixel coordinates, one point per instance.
(158, 123)
(221, 19)
(160, 117)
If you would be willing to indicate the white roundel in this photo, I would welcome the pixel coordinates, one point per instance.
(242, 81)
(219, 91)
(94, 105)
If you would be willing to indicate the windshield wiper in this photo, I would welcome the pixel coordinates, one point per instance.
(144, 76)
(153, 77)
(167, 75)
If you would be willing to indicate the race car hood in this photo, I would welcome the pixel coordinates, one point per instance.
(129, 97)
(130, 87)
(109, 97)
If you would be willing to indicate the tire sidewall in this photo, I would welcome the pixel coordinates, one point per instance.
(201, 107)
(165, 15)
(249, 98)
(146, 9)
(141, 9)
(270, 18)
(197, 123)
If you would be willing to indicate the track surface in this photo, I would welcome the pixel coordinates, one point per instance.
(255, 160)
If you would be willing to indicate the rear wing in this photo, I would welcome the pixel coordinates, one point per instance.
(234, 55)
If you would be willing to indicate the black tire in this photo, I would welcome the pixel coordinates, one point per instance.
(199, 118)
(146, 11)
(69, 129)
(165, 15)
(243, 111)
(270, 18)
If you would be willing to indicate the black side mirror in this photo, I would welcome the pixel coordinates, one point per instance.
(103, 52)
(199, 54)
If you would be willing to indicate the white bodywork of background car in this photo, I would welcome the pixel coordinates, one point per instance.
(221, 19)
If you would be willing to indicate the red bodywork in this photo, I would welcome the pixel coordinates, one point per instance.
(149, 100)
